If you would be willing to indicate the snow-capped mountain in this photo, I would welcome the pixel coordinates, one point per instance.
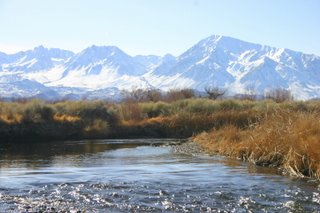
(98, 68)
(13, 86)
(40, 58)
(95, 59)
(240, 66)
(102, 71)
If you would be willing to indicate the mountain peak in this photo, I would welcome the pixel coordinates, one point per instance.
(103, 47)
(102, 51)
(215, 38)
(40, 49)
(225, 44)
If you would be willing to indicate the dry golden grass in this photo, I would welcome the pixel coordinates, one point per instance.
(98, 126)
(66, 118)
(286, 139)
(11, 118)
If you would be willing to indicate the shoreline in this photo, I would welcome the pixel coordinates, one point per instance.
(193, 147)
(266, 133)
(294, 154)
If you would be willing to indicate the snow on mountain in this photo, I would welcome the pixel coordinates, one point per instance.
(99, 71)
(3, 59)
(111, 93)
(148, 61)
(40, 58)
(95, 59)
(13, 86)
(101, 67)
(241, 66)
(75, 93)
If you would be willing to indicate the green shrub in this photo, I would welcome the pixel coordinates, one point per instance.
(155, 109)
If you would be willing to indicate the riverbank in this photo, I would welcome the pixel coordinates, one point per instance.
(285, 140)
(267, 133)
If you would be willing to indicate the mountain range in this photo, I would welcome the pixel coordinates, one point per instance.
(101, 72)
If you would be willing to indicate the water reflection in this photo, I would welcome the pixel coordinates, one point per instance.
(35, 155)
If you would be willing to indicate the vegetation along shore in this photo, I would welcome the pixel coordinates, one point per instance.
(269, 132)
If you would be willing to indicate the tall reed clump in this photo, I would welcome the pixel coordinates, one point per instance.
(284, 138)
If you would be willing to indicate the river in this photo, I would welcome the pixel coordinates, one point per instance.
(145, 175)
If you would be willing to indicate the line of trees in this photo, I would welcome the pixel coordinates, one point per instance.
(154, 95)
(212, 92)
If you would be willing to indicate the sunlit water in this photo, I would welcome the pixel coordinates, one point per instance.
(141, 176)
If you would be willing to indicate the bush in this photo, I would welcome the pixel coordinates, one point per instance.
(215, 92)
(279, 95)
(196, 106)
(36, 112)
(88, 111)
(130, 110)
(155, 109)
(179, 94)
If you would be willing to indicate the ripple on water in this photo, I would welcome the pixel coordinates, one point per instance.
(149, 179)
(136, 197)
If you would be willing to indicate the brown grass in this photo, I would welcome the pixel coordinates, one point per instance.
(66, 118)
(11, 118)
(286, 139)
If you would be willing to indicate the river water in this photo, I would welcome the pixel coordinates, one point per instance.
(145, 175)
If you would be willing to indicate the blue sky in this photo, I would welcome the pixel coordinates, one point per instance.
(157, 26)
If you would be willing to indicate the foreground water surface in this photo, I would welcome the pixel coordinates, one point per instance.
(139, 176)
